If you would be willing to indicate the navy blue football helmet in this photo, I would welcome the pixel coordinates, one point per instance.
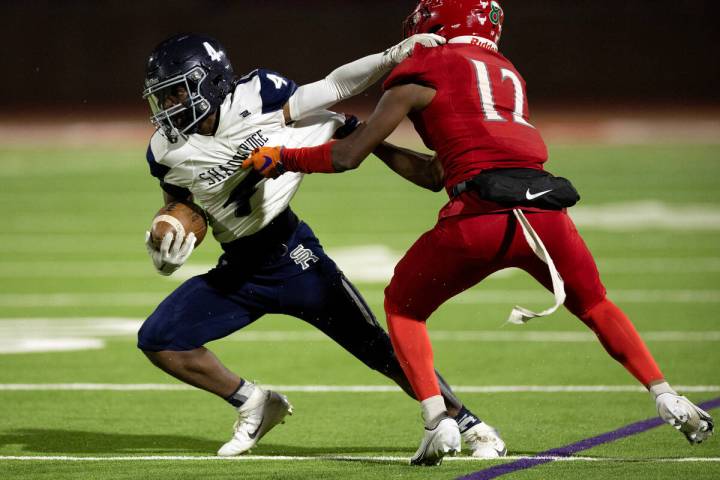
(187, 77)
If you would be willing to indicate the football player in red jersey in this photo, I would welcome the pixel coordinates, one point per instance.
(469, 104)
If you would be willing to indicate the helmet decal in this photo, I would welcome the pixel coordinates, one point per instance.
(495, 13)
(214, 54)
(458, 18)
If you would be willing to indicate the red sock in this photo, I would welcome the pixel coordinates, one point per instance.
(619, 337)
(414, 352)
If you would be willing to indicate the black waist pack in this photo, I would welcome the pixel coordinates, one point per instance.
(521, 187)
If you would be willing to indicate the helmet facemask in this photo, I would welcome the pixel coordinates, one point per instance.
(177, 104)
(410, 25)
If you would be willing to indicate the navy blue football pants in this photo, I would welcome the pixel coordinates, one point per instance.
(294, 278)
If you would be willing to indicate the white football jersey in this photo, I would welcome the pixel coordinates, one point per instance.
(240, 202)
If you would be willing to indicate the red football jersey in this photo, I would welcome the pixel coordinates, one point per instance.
(479, 117)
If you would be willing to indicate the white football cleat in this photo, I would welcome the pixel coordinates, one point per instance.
(695, 423)
(442, 440)
(260, 413)
(484, 441)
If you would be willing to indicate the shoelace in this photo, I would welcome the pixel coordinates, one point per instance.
(484, 438)
(480, 438)
(242, 417)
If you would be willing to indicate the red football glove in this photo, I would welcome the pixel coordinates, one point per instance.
(266, 161)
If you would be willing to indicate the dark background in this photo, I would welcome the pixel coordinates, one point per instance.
(82, 54)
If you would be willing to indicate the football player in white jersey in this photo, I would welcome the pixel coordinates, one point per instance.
(208, 122)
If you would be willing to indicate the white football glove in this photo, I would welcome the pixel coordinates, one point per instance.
(695, 423)
(396, 54)
(171, 255)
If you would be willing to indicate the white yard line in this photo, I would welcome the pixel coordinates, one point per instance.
(627, 296)
(474, 297)
(45, 344)
(486, 336)
(290, 458)
(561, 336)
(367, 257)
(46, 334)
(37, 335)
(38, 328)
(26, 300)
(642, 215)
(75, 269)
(659, 265)
(69, 327)
(159, 387)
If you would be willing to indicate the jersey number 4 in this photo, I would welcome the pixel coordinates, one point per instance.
(241, 194)
(487, 100)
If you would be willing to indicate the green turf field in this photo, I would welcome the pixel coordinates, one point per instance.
(73, 268)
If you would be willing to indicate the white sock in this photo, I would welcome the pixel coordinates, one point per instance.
(433, 410)
(660, 388)
(242, 394)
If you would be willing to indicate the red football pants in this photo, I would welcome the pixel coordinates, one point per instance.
(462, 250)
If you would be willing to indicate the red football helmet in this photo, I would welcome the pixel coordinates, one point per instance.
(455, 18)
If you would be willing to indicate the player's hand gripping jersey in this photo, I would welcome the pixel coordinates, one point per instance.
(239, 202)
(479, 117)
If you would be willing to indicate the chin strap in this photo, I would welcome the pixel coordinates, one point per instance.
(521, 315)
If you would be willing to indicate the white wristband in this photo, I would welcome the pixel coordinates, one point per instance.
(660, 388)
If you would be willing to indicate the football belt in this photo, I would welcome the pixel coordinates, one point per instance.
(527, 187)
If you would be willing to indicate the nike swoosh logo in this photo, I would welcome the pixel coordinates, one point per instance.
(254, 434)
(533, 196)
(268, 162)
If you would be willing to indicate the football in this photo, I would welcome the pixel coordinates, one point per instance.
(178, 217)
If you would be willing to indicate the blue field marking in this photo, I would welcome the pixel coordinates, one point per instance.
(569, 450)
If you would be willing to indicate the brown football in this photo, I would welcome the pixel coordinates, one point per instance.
(175, 216)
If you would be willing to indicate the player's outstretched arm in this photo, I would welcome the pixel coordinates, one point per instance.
(348, 153)
(353, 78)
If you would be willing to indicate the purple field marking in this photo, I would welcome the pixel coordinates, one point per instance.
(569, 450)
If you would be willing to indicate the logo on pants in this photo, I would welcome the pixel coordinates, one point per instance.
(303, 256)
